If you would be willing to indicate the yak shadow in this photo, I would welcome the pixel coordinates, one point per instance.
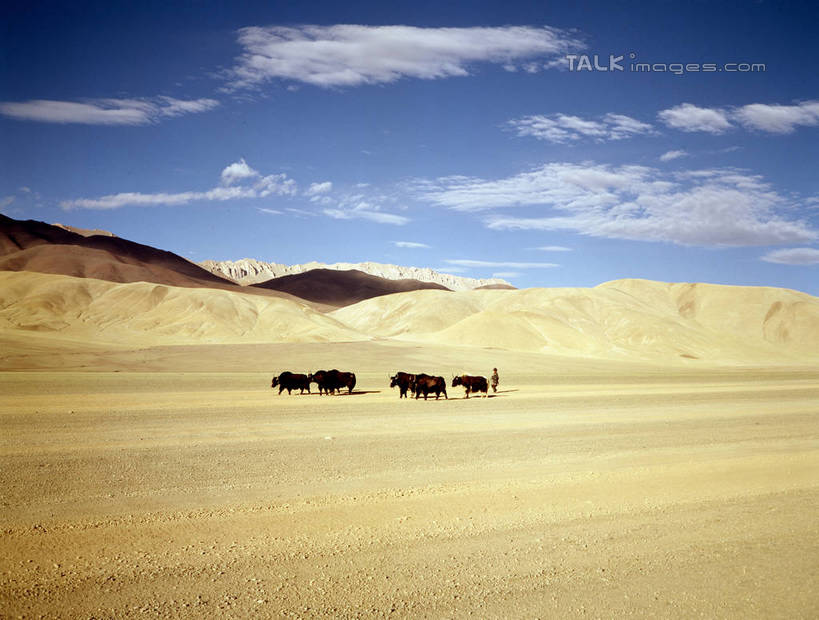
(345, 393)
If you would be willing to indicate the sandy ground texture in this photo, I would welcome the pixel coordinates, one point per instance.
(581, 489)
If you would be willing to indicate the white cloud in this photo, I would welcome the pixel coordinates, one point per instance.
(269, 211)
(778, 118)
(506, 274)
(352, 55)
(689, 117)
(301, 213)
(275, 184)
(553, 248)
(6, 201)
(511, 264)
(409, 244)
(621, 126)
(671, 155)
(370, 213)
(231, 189)
(563, 128)
(105, 111)
(793, 256)
(717, 207)
(771, 118)
(316, 189)
(237, 172)
(362, 205)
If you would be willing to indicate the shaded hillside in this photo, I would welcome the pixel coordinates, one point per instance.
(496, 287)
(87, 311)
(342, 288)
(29, 245)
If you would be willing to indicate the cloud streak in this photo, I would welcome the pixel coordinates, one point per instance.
(366, 211)
(235, 185)
(712, 208)
(793, 256)
(409, 244)
(565, 128)
(672, 155)
(105, 111)
(353, 55)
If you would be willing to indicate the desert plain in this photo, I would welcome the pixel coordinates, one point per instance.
(652, 451)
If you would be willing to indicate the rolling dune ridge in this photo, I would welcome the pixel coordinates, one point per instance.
(627, 319)
(147, 314)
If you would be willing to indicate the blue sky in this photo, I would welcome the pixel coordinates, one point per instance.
(478, 138)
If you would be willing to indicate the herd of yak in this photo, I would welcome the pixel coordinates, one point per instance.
(333, 381)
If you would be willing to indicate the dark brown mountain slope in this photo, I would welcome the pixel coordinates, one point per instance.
(29, 245)
(342, 288)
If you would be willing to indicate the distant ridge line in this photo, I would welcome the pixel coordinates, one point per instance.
(249, 271)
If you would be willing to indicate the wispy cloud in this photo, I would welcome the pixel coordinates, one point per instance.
(793, 256)
(105, 111)
(238, 181)
(672, 155)
(565, 128)
(716, 207)
(365, 204)
(409, 244)
(352, 55)
(553, 248)
(369, 212)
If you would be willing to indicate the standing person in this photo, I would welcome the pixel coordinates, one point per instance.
(494, 379)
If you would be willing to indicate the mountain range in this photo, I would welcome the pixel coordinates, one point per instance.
(252, 271)
(106, 291)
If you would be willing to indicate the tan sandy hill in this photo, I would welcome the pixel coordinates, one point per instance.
(341, 288)
(88, 310)
(249, 271)
(36, 246)
(633, 319)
